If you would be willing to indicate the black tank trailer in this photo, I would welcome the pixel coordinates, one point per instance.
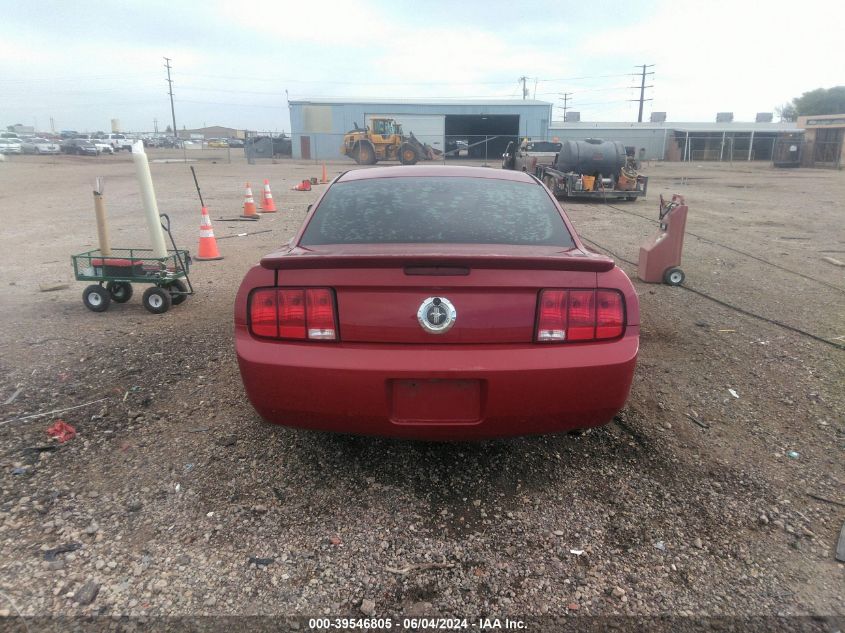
(593, 168)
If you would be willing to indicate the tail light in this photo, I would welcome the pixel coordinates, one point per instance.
(580, 315)
(293, 313)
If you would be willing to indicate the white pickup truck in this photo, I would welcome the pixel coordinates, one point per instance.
(119, 142)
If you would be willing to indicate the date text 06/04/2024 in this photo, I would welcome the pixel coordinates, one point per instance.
(415, 624)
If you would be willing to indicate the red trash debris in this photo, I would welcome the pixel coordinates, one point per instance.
(62, 431)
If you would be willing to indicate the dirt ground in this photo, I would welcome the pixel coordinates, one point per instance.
(182, 501)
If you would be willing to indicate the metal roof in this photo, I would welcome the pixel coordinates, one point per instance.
(733, 126)
(456, 101)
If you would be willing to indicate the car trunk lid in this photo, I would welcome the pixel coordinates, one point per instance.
(493, 289)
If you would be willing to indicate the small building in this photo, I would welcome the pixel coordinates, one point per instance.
(213, 131)
(823, 140)
(691, 141)
(482, 129)
(18, 128)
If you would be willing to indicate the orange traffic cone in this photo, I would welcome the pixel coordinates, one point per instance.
(267, 204)
(249, 204)
(325, 179)
(305, 185)
(208, 245)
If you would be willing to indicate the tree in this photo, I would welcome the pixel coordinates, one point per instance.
(787, 112)
(169, 130)
(818, 101)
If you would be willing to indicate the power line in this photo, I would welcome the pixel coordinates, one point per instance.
(86, 78)
(356, 83)
(240, 105)
(587, 77)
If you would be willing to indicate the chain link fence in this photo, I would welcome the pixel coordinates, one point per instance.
(672, 145)
(801, 153)
(669, 145)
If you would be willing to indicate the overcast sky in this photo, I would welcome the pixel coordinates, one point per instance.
(84, 63)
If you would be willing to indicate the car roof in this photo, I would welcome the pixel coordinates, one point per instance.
(408, 171)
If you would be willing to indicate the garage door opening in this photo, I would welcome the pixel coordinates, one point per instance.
(480, 136)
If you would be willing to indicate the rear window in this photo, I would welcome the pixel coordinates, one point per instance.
(420, 210)
(543, 146)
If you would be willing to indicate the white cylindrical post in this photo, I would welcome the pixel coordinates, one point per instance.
(148, 196)
(102, 223)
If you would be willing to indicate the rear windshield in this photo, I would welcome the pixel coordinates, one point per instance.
(543, 146)
(420, 210)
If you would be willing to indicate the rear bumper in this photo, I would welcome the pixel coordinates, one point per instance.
(520, 390)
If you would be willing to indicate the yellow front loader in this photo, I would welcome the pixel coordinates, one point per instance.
(385, 141)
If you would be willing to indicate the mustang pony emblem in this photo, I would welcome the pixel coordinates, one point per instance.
(436, 315)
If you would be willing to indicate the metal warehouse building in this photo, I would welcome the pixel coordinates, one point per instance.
(486, 127)
(733, 140)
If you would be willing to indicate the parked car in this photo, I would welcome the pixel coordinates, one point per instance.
(10, 146)
(79, 146)
(217, 142)
(456, 148)
(40, 145)
(440, 303)
(235, 142)
(119, 141)
(529, 154)
(103, 146)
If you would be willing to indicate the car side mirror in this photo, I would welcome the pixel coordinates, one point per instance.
(309, 208)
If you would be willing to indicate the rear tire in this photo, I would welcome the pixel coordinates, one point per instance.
(674, 276)
(96, 298)
(180, 288)
(120, 291)
(408, 155)
(157, 300)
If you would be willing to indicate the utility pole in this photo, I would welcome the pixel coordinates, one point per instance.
(170, 85)
(565, 97)
(642, 90)
(155, 126)
(524, 79)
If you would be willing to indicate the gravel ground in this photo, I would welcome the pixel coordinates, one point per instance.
(179, 500)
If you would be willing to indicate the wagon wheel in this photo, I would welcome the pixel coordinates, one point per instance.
(120, 291)
(96, 298)
(157, 300)
(181, 292)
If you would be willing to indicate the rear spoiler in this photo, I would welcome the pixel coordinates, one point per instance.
(574, 260)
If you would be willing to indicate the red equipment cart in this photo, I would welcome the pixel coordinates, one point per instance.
(660, 256)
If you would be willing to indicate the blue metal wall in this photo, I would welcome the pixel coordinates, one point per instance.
(533, 120)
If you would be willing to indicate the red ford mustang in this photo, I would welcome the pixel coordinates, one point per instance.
(438, 303)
